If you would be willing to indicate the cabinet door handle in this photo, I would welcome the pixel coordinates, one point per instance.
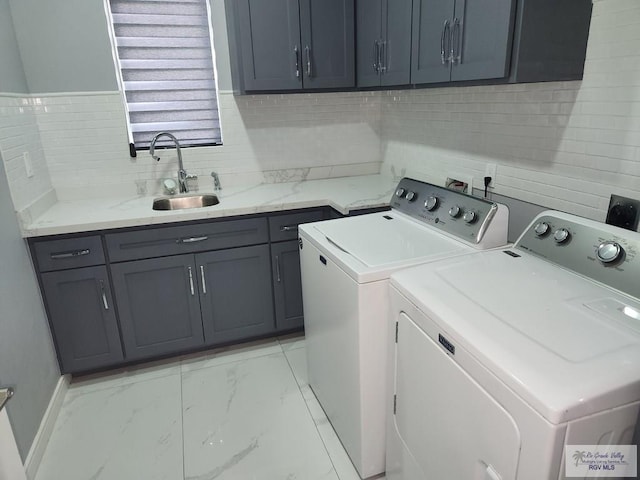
(443, 48)
(193, 239)
(289, 228)
(383, 54)
(204, 282)
(455, 42)
(278, 268)
(75, 253)
(308, 53)
(104, 295)
(376, 56)
(193, 292)
(297, 57)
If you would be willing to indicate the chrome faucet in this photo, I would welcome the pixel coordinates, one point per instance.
(182, 174)
(216, 182)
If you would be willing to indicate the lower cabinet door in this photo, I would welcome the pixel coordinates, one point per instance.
(83, 318)
(158, 305)
(235, 293)
(287, 285)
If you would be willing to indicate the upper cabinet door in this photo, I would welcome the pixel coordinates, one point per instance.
(270, 44)
(328, 43)
(481, 35)
(396, 47)
(431, 39)
(369, 31)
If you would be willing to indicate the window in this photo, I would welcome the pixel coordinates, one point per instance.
(164, 52)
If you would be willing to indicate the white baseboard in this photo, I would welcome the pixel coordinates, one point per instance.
(34, 457)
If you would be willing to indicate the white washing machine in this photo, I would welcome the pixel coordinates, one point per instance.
(502, 358)
(346, 265)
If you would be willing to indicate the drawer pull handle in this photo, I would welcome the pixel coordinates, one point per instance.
(193, 239)
(289, 228)
(75, 253)
(204, 283)
(193, 292)
(104, 295)
(278, 269)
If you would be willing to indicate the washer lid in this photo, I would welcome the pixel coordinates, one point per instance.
(567, 345)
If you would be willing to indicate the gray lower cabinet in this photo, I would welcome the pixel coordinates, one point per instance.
(82, 316)
(235, 293)
(291, 44)
(383, 43)
(287, 285)
(158, 305)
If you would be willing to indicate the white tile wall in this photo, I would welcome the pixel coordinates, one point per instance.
(18, 134)
(565, 145)
(266, 138)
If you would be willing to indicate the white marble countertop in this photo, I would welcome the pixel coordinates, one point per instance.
(343, 194)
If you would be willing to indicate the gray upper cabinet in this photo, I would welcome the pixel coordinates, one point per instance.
(291, 44)
(158, 305)
(383, 42)
(481, 36)
(270, 44)
(235, 293)
(328, 43)
(82, 317)
(457, 40)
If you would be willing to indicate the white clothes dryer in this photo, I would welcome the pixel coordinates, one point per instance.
(502, 358)
(345, 266)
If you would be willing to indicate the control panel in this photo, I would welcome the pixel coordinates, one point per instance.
(453, 212)
(602, 252)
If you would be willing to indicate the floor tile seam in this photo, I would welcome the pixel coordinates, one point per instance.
(73, 391)
(315, 424)
(183, 371)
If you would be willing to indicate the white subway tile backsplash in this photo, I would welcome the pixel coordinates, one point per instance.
(565, 145)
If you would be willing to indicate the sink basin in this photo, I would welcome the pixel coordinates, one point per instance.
(179, 202)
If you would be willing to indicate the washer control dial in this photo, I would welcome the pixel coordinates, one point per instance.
(609, 252)
(541, 229)
(400, 192)
(561, 235)
(411, 196)
(470, 217)
(431, 203)
(455, 211)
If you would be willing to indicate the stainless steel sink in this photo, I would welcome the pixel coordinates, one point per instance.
(180, 202)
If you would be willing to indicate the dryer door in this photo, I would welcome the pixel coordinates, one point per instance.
(448, 423)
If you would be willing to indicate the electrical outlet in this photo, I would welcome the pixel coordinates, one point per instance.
(490, 171)
(623, 212)
(28, 166)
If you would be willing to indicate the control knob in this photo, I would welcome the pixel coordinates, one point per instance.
(541, 229)
(431, 203)
(411, 196)
(609, 252)
(470, 217)
(561, 235)
(400, 192)
(455, 211)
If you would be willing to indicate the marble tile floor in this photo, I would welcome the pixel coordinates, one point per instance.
(238, 413)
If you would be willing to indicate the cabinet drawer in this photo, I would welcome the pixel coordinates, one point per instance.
(160, 242)
(69, 253)
(285, 227)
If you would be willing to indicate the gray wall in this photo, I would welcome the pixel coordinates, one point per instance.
(12, 77)
(27, 359)
(64, 45)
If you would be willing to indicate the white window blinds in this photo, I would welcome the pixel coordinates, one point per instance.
(164, 50)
